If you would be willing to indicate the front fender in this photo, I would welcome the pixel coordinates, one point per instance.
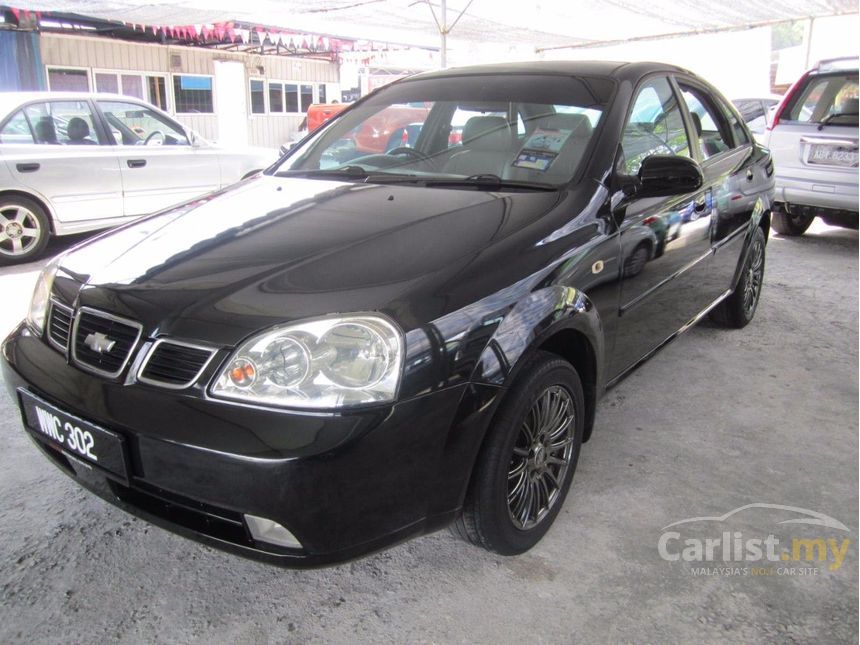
(532, 321)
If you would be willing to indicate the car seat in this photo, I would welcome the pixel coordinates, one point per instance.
(568, 157)
(78, 130)
(848, 106)
(45, 130)
(486, 142)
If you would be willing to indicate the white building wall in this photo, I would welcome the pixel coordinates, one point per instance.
(269, 130)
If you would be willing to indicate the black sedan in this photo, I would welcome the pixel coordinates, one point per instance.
(352, 349)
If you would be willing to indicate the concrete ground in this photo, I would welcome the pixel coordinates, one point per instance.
(718, 420)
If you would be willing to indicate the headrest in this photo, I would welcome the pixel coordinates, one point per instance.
(487, 133)
(77, 129)
(45, 131)
(578, 124)
(848, 106)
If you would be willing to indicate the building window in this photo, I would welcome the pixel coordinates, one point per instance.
(193, 94)
(68, 80)
(157, 91)
(132, 85)
(307, 97)
(292, 98)
(107, 82)
(322, 93)
(289, 98)
(276, 97)
(258, 96)
(151, 88)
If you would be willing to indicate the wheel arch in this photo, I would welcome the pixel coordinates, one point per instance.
(570, 328)
(557, 319)
(41, 201)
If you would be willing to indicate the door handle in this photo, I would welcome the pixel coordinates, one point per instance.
(136, 163)
(28, 167)
(749, 174)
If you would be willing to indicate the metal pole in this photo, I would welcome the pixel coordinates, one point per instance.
(807, 38)
(443, 30)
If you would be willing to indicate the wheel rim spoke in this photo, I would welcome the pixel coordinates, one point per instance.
(541, 457)
(20, 230)
(755, 272)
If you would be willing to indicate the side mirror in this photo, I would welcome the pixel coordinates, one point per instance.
(665, 175)
(193, 139)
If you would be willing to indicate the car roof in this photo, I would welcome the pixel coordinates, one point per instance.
(614, 69)
(11, 100)
(841, 64)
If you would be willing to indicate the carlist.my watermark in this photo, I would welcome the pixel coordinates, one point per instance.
(805, 543)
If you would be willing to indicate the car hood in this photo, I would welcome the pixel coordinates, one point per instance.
(271, 250)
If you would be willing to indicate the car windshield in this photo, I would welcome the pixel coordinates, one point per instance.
(827, 98)
(508, 131)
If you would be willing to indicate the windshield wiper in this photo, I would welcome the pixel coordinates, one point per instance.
(486, 181)
(833, 115)
(348, 173)
(351, 172)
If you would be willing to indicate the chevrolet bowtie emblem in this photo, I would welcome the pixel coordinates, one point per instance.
(99, 343)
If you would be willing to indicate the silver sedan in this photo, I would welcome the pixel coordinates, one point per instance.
(71, 163)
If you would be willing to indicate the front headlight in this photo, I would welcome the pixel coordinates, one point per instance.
(42, 296)
(321, 364)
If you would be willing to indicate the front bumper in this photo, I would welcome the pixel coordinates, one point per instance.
(343, 484)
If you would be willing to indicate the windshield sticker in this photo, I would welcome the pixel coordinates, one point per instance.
(541, 149)
(534, 160)
(550, 140)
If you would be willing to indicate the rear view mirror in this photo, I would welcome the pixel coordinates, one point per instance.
(665, 175)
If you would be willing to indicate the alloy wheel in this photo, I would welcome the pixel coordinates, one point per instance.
(20, 230)
(541, 457)
(755, 274)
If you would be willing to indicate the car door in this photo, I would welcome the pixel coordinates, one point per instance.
(57, 150)
(160, 166)
(665, 241)
(738, 175)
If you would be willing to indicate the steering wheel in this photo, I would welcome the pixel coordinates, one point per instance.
(152, 135)
(411, 152)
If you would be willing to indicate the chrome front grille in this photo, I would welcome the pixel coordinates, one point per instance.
(174, 364)
(103, 343)
(60, 325)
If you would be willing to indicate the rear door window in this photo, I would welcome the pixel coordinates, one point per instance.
(830, 99)
(711, 128)
(17, 130)
(63, 122)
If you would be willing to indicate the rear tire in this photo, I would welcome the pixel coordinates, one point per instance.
(791, 225)
(24, 230)
(528, 459)
(739, 308)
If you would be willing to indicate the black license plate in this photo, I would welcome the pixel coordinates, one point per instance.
(75, 437)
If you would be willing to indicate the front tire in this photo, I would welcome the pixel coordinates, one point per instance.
(637, 260)
(738, 309)
(24, 230)
(791, 225)
(527, 463)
